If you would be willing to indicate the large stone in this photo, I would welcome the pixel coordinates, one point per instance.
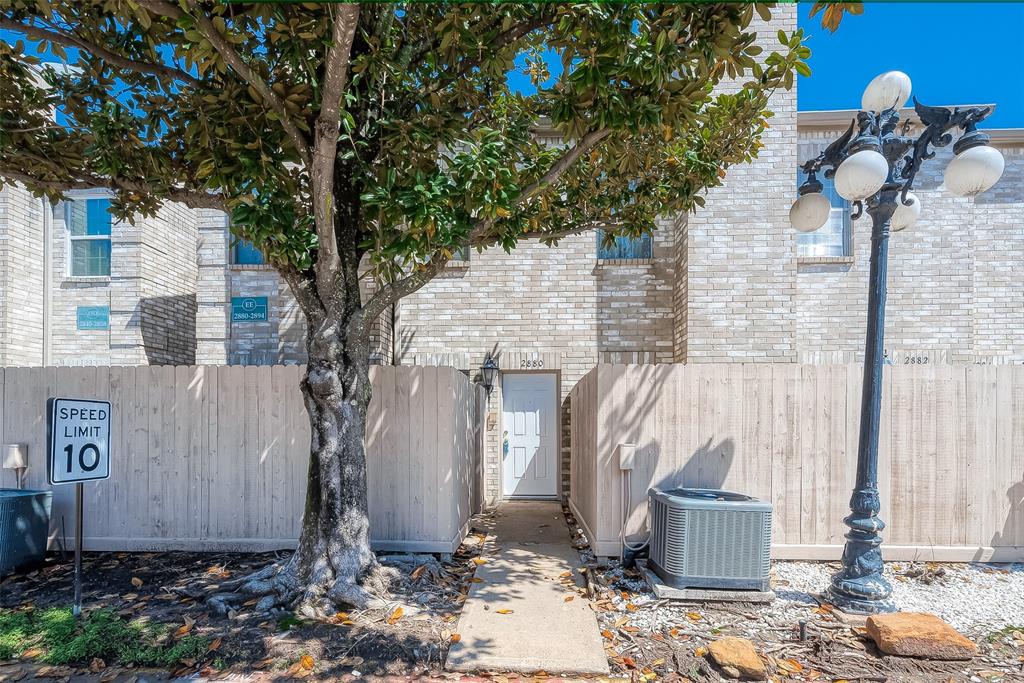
(738, 658)
(918, 634)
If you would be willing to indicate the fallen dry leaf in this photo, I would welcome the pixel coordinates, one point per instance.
(395, 616)
(456, 638)
(629, 661)
(694, 616)
(700, 651)
(418, 572)
(97, 665)
(31, 653)
(570, 598)
(137, 582)
(306, 661)
(608, 635)
(215, 645)
(790, 665)
(182, 631)
(504, 611)
(479, 561)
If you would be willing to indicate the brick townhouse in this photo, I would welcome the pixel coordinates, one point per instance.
(731, 283)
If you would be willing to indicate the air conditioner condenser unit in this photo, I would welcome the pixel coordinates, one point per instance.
(708, 538)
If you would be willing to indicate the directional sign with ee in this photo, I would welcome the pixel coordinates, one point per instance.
(79, 440)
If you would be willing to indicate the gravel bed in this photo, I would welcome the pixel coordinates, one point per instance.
(976, 599)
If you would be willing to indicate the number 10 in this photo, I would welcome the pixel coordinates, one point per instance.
(69, 449)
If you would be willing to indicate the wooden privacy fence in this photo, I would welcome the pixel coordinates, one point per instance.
(951, 451)
(215, 457)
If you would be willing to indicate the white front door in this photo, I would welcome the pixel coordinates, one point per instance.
(529, 459)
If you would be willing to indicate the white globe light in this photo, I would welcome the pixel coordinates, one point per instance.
(886, 91)
(974, 170)
(904, 216)
(810, 212)
(861, 175)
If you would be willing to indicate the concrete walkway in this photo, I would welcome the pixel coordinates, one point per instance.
(527, 555)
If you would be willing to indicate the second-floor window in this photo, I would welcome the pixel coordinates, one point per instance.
(626, 248)
(833, 238)
(244, 253)
(88, 222)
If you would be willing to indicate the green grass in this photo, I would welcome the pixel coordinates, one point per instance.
(1003, 632)
(64, 640)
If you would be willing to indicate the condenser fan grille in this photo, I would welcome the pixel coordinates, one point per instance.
(704, 538)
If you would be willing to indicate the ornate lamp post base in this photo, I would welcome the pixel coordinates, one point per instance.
(859, 587)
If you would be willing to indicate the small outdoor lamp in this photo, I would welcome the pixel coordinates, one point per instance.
(15, 457)
(875, 169)
(488, 373)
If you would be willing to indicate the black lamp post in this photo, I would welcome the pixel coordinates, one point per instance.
(875, 170)
(488, 373)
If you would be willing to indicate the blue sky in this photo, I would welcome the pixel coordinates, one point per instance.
(954, 53)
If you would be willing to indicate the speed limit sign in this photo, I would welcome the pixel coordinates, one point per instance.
(79, 440)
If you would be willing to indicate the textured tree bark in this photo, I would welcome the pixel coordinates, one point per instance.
(333, 564)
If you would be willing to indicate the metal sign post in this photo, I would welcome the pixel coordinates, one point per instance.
(78, 441)
(76, 609)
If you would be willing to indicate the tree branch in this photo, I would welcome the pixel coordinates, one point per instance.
(325, 146)
(120, 61)
(192, 198)
(586, 143)
(235, 61)
(391, 292)
(303, 288)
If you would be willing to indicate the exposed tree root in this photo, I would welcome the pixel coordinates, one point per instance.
(317, 591)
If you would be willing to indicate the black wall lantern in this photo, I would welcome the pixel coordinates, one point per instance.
(488, 373)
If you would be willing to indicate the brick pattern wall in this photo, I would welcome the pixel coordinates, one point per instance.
(279, 339)
(150, 293)
(168, 279)
(738, 284)
(21, 277)
(559, 305)
(954, 289)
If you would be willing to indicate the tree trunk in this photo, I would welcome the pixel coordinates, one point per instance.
(333, 564)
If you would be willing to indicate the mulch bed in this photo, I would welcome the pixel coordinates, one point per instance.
(169, 588)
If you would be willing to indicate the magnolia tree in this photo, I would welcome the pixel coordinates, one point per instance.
(359, 143)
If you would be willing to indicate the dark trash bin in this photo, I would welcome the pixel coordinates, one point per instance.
(24, 527)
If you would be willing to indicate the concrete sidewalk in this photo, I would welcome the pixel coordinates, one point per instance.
(527, 555)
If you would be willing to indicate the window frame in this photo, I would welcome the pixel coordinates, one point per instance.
(847, 223)
(72, 238)
(647, 239)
